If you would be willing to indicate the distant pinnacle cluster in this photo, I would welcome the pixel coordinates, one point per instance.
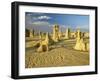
(57, 35)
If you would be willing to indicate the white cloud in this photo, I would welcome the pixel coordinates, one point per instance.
(44, 17)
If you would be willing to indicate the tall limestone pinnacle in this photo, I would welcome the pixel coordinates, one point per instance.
(47, 38)
(78, 34)
(67, 34)
(56, 33)
(80, 45)
(60, 34)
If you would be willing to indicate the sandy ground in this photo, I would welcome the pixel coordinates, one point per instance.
(60, 54)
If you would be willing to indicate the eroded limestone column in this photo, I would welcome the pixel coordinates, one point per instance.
(56, 33)
(80, 45)
(67, 34)
(31, 33)
(44, 44)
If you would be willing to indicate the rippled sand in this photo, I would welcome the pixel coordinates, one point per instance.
(60, 54)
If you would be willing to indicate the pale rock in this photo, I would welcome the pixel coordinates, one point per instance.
(56, 33)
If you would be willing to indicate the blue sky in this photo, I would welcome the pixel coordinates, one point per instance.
(63, 20)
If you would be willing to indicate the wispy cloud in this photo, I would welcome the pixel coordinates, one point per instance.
(41, 23)
(42, 26)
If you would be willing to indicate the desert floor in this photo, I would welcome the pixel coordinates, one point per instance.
(60, 54)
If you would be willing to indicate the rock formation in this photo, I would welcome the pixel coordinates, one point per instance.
(73, 34)
(67, 34)
(87, 46)
(40, 35)
(31, 33)
(86, 34)
(44, 45)
(60, 35)
(55, 33)
(80, 44)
